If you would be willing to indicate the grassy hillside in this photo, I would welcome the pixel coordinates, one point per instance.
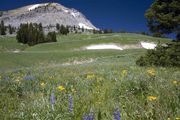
(75, 41)
(63, 81)
(67, 49)
(10, 44)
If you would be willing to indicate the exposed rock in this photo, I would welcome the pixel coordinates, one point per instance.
(49, 14)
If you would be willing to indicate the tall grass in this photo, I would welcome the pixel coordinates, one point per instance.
(139, 93)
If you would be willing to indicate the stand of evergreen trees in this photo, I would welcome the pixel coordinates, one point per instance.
(162, 56)
(33, 34)
(4, 29)
(62, 29)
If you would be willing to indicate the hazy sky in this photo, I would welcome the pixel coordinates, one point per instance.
(125, 15)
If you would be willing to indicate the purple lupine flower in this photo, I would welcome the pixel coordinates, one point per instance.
(70, 100)
(52, 99)
(117, 115)
(85, 116)
(91, 115)
(29, 78)
(6, 77)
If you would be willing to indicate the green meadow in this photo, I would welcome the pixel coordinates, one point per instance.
(64, 81)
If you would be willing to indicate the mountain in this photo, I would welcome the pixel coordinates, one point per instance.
(49, 14)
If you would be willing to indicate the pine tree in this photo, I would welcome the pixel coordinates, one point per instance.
(64, 30)
(10, 29)
(163, 17)
(57, 26)
(1, 13)
(3, 28)
(51, 37)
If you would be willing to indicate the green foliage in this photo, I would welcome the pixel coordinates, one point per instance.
(1, 13)
(33, 34)
(11, 29)
(51, 37)
(2, 28)
(106, 31)
(162, 56)
(110, 80)
(97, 31)
(157, 34)
(101, 88)
(57, 26)
(163, 17)
(63, 30)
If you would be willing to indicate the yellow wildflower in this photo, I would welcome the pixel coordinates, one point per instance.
(124, 73)
(177, 118)
(174, 82)
(98, 102)
(152, 98)
(73, 90)
(151, 72)
(60, 88)
(90, 76)
(17, 80)
(43, 84)
(169, 119)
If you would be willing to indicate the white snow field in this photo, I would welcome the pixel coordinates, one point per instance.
(103, 46)
(16, 51)
(66, 11)
(74, 14)
(148, 45)
(81, 25)
(36, 6)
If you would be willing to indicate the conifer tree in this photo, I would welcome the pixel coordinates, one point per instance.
(2, 28)
(57, 26)
(163, 17)
(10, 29)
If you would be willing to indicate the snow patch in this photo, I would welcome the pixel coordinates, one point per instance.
(103, 46)
(66, 11)
(82, 25)
(74, 14)
(148, 45)
(36, 6)
(16, 51)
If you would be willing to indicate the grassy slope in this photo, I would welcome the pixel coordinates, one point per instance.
(65, 49)
(74, 41)
(10, 44)
(112, 80)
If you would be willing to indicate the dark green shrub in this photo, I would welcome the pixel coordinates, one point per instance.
(51, 37)
(162, 56)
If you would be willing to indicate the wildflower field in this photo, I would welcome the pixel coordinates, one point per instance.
(43, 82)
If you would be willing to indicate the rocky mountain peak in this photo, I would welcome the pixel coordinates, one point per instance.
(47, 14)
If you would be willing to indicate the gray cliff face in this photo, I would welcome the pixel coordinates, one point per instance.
(48, 14)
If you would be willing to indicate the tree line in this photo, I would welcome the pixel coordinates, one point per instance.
(64, 30)
(3, 29)
(163, 18)
(61, 29)
(32, 34)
